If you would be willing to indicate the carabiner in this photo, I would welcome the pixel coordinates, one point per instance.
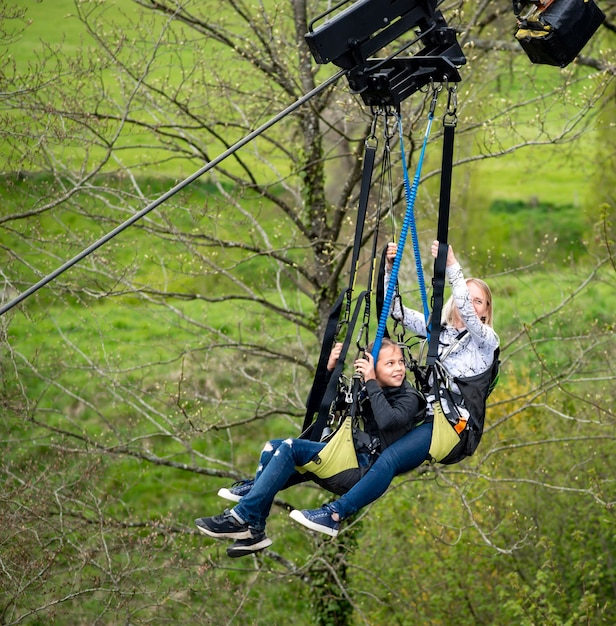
(371, 140)
(387, 132)
(450, 118)
(435, 91)
(362, 347)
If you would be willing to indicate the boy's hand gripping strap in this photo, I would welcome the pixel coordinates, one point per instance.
(320, 376)
(315, 431)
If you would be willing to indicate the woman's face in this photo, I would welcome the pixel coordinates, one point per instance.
(479, 300)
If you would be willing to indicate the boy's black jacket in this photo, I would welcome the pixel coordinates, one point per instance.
(391, 412)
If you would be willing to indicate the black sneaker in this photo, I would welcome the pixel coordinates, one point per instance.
(256, 542)
(317, 519)
(225, 526)
(237, 491)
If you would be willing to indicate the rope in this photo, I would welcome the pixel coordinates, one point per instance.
(386, 187)
(411, 194)
(409, 222)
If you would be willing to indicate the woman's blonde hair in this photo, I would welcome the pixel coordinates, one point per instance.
(448, 316)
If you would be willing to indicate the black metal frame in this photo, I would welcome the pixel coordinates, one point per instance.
(349, 37)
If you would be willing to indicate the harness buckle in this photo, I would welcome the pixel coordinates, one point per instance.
(460, 426)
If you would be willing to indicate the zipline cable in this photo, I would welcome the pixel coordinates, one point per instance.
(137, 216)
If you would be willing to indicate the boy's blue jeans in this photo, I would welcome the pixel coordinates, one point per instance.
(401, 456)
(277, 463)
(280, 457)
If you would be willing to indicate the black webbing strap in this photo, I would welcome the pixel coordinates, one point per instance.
(332, 388)
(320, 376)
(386, 185)
(317, 391)
(362, 209)
(380, 288)
(315, 430)
(438, 281)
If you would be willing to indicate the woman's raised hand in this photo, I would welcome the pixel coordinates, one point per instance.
(390, 255)
(451, 257)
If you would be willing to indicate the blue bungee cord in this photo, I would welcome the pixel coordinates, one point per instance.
(409, 222)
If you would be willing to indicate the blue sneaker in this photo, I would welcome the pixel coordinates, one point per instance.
(237, 491)
(317, 519)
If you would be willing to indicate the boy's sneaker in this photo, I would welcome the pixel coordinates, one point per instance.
(237, 491)
(317, 519)
(256, 542)
(224, 526)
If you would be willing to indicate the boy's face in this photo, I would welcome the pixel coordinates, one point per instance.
(390, 367)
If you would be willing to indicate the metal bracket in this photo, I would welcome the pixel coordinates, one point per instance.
(349, 38)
